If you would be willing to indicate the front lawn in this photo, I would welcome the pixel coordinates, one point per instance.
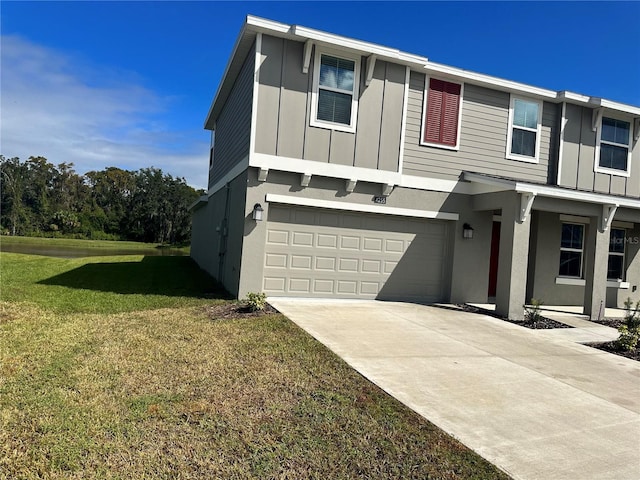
(107, 374)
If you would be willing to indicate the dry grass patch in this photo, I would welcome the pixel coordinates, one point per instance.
(171, 393)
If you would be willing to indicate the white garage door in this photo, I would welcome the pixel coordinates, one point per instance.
(313, 252)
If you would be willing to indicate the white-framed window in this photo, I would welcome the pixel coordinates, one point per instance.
(336, 79)
(615, 267)
(525, 126)
(613, 147)
(571, 250)
(442, 113)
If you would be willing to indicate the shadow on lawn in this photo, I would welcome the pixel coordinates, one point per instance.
(170, 276)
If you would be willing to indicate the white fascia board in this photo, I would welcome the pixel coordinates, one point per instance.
(482, 79)
(243, 31)
(345, 172)
(553, 192)
(595, 102)
(239, 167)
(359, 207)
(259, 23)
(357, 45)
(297, 165)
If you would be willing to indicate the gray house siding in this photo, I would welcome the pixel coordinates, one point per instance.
(579, 157)
(218, 232)
(284, 109)
(483, 137)
(233, 125)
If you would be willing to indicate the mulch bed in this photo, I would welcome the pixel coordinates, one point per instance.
(540, 323)
(611, 347)
(232, 310)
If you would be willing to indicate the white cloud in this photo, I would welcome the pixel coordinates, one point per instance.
(68, 110)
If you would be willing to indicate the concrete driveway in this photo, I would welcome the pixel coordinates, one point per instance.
(536, 405)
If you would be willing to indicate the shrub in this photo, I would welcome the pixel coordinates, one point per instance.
(532, 312)
(256, 301)
(630, 329)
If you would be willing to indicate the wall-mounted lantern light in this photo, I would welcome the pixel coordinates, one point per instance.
(467, 231)
(257, 212)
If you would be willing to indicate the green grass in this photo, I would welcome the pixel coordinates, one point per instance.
(77, 243)
(130, 377)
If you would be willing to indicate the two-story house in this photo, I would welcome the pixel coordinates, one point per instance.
(343, 169)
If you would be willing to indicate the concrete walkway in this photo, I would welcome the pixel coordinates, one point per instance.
(536, 405)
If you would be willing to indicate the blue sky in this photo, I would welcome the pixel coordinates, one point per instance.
(128, 84)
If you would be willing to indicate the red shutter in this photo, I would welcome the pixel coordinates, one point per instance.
(443, 104)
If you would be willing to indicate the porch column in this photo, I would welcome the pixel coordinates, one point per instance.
(512, 265)
(595, 269)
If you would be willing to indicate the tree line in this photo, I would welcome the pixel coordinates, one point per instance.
(38, 198)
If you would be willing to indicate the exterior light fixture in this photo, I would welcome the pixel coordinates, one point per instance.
(257, 212)
(467, 231)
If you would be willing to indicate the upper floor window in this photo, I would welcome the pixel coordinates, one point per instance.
(571, 248)
(615, 268)
(335, 92)
(523, 138)
(443, 103)
(614, 141)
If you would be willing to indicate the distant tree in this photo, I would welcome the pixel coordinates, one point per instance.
(13, 176)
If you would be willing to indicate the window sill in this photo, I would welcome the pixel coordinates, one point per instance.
(618, 284)
(440, 145)
(333, 126)
(522, 159)
(581, 282)
(612, 171)
(570, 281)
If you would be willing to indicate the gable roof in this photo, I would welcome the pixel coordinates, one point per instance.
(254, 25)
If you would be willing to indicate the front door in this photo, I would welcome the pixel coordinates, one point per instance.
(493, 259)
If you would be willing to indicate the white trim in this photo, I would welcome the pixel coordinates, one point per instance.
(616, 284)
(608, 212)
(357, 45)
(551, 191)
(622, 254)
(239, 167)
(538, 131)
(346, 172)
(596, 118)
(403, 125)
(574, 219)
(371, 65)
(306, 60)
(526, 202)
(487, 80)
(580, 282)
(256, 88)
(563, 124)
(423, 125)
(313, 120)
(358, 207)
(629, 146)
(621, 224)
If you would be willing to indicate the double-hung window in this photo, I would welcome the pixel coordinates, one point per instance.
(525, 125)
(613, 152)
(335, 92)
(571, 250)
(615, 269)
(443, 103)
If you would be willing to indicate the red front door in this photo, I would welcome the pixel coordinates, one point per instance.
(493, 259)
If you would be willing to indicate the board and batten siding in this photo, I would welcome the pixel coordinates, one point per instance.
(284, 108)
(233, 125)
(579, 158)
(483, 138)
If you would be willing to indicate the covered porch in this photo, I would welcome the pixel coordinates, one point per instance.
(577, 250)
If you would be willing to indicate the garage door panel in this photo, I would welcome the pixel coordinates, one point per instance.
(316, 252)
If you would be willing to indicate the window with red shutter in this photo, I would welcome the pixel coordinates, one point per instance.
(442, 113)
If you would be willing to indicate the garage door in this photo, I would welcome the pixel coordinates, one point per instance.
(313, 252)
